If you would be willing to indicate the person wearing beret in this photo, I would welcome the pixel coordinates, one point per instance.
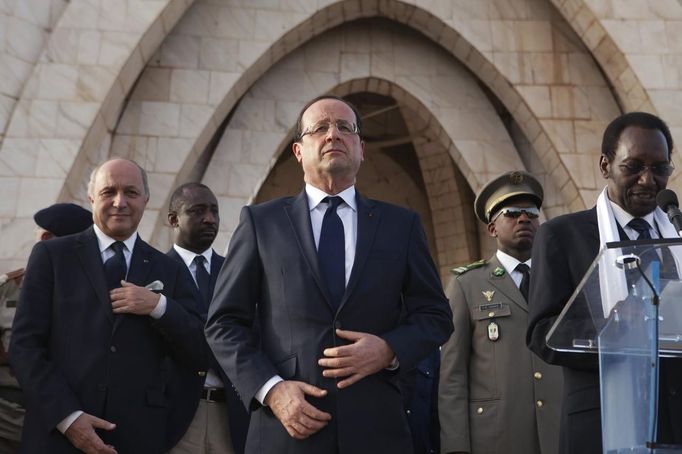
(57, 220)
(495, 395)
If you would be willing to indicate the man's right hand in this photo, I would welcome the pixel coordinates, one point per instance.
(81, 433)
(287, 401)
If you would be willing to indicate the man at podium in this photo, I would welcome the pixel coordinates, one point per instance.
(636, 164)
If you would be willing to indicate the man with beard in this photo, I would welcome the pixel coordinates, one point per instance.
(636, 163)
(346, 296)
(495, 395)
(220, 420)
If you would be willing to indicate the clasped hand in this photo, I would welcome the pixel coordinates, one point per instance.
(367, 354)
(132, 299)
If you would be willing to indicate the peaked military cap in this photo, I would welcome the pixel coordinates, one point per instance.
(508, 185)
(63, 219)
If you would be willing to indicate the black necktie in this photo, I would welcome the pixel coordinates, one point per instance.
(202, 278)
(641, 227)
(525, 280)
(115, 267)
(331, 252)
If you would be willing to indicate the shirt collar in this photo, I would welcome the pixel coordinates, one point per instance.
(105, 240)
(188, 256)
(316, 195)
(508, 262)
(623, 217)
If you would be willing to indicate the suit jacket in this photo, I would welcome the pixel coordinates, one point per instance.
(190, 385)
(563, 250)
(271, 274)
(70, 352)
(490, 389)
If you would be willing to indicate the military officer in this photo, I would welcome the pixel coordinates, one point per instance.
(56, 220)
(495, 396)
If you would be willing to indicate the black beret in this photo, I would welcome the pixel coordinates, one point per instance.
(500, 189)
(63, 219)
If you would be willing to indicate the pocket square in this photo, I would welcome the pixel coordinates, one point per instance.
(155, 286)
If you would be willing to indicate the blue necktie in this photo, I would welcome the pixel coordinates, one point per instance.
(331, 252)
(115, 267)
(641, 227)
(202, 278)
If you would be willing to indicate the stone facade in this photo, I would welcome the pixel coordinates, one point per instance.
(208, 90)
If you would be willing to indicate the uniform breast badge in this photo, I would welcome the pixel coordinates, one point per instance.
(488, 295)
(493, 331)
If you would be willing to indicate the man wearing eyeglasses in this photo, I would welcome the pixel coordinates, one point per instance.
(496, 396)
(636, 163)
(346, 296)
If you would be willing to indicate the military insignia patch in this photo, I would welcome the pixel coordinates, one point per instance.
(499, 271)
(471, 266)
(488, 294)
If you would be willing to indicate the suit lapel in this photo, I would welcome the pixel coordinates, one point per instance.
(140, 265)
(506, 285)
(368, 221)
(216, 264)
(299, 218)
(87, 250)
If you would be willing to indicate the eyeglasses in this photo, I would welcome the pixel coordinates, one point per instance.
(344, 127)
(516, 212)
(636, 168)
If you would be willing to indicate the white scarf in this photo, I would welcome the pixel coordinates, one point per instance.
(612, 292)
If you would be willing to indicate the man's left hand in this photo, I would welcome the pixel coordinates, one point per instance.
(366, 355)
(131, 299)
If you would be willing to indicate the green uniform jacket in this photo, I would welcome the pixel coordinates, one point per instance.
(495, 396)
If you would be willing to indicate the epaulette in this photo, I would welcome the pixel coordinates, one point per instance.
(15, 275)
(471, 266)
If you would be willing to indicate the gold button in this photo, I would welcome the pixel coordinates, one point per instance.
(479, 410)
(201, 373)
(539, 403)
(491, 314)
(537, 375)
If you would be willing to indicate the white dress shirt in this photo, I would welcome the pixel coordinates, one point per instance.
(623, 217)
(348, 213)
(510, 263)
(213, 381)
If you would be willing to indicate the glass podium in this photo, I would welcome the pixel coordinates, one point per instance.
(628, 310)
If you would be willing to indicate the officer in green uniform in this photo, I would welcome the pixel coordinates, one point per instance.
(56, 220)
(495, 395)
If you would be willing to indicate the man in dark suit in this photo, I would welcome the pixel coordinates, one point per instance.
(220, 421)
(93, 346)
(326, 275)
(636, 163)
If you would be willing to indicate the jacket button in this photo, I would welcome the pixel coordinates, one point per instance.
(537, 375)
(479, 411)
(539, 403)
(408, 412)
(112, 349)
(201, 373)
(337, 324)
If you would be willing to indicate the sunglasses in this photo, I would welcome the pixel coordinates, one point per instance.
(636, 168)
(516, 212)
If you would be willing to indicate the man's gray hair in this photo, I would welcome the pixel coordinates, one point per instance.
(93, 175)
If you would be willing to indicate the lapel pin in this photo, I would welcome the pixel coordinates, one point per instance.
(499, 271)
(488, 294)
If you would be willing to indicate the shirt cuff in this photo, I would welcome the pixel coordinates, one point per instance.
(394, 364)
(66, 422)
(265, 389)
(160, 308)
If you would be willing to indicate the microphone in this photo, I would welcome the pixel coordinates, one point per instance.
(667, 201)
